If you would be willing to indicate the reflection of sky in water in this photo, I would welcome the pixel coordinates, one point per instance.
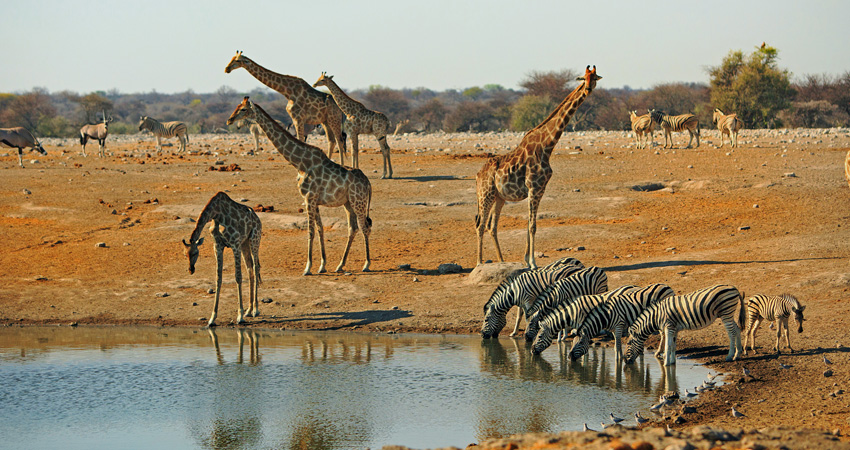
(231, 389)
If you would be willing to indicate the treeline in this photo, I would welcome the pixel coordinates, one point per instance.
(752, 86)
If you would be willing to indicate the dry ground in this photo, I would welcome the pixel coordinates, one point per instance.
(768, 217)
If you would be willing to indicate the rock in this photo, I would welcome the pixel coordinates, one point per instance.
(404, 267)
(789, 175)
(210, 291)
(26, 192)
(100, 244)
(827, 373)
(266, 300)
(745, 227)
(447, 268)
(162, 294)
(494, 273)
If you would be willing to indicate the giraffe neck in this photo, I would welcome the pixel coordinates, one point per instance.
(287, 85)
(552, 128)
(347, 104)
(299, 154)
(210, 212)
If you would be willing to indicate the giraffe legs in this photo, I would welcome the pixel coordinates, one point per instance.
(237, 257)
(352, 230)
(355, 150)
(533, 204)
(385, 152)
(314, 224)
(251, 265)
(219, 265)
(485, 205)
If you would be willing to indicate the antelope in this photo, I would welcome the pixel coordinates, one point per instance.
(99, 132)
(20, 138)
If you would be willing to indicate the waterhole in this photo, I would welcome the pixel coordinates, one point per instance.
(92, 388)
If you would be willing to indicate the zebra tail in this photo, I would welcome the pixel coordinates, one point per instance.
(742, 314)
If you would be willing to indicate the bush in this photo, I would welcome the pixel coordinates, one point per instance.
(814, 114)
(530, 111)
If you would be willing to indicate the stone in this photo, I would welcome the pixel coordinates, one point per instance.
(447, 268)
(827, 373)
(494, 273)
(266, 300)
(162, 294)
(100, 245)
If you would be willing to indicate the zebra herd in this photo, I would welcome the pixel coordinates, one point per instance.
(567, 297)
(727, 124)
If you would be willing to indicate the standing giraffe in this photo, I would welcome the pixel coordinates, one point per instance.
(321, 182)
(361, 120)
(306, 106)
(524, 172)
(242, 232)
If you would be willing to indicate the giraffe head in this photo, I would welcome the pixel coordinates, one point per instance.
(237, 62)
(245, 110)
(323, 80)
(590, 77)
(190, 249)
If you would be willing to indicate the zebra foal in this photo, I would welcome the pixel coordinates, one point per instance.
(727, 124)
(687, 312)
(165, 130)
(682, 122)
(616, 315)
(519, 291)
(569, 315)
(589, 281)
(770, 308)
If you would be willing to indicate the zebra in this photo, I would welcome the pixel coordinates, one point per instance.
(687, 312)
(589, 281)
(681, 122)
(616, 315)
(165, 130)
(98, 131)
(569, 315)
(727, 124)
(767, 307)
(519, 290)
(254, 129)
(642, 126)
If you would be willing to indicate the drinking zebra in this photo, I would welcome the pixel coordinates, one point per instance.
(642, 127)
(589, 281)
(687, 312)
(769, 307)
(165, 130)
(616, 315)
(681, 122)
(519, 291)
(569, 315)
(727, 124)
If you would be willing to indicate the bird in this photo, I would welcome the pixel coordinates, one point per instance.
(607, 425)
(785, 366)
(699, 390)
(711, 376)
(825, 360)
(737, 414)
(709, 383)
(656, 407)
(640, 420)
(691, 394)
(586, 428)
(747, 372)
(615, 418)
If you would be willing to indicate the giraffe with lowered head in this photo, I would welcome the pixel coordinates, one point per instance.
(306, 105)
(361, 120)
(321, 182)
(235, 226)
(525, 171)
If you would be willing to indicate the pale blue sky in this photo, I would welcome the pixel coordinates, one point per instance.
(173, 46)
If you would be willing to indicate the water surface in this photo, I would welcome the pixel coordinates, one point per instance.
(127, 387)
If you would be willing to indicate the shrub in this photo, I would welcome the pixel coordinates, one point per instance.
(529, 111)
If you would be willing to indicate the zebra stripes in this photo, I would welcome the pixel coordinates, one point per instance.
(589, 281)
(681, 122)
(519, 291)
(687, 312)
(165, 130)
(727, 124)
(770, 308)
(569, 315)
(641, 126)
(616, 315)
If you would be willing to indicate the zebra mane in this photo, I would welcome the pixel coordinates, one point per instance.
(501, 291)
(646, 322)
(789, 298)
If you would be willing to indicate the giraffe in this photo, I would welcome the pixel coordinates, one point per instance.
(306, 105)
(241, 233)
(361, 120)
(321, 182)
(525, 171)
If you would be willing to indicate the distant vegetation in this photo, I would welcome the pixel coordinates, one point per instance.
(753, 86)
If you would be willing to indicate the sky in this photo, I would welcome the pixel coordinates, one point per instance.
(176, 46)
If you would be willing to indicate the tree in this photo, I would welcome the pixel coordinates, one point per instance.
(430, 115)
(29, 110)
(529, 111)
(555, 85)
(92, 105)
(390, 102)
(753, 87)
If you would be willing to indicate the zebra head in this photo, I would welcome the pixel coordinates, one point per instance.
(656, 115)
(589, 78)
(495, 315)
(717, 115)
(143, 122)
(245, 110)
(543, 339)
(236, 62)
(532, 327)
(581, 344)
(798, 316)
(635, 348)
(190, 249)
(323, 80)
